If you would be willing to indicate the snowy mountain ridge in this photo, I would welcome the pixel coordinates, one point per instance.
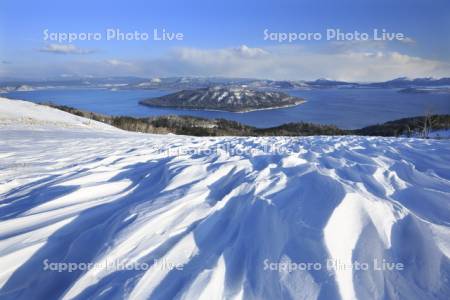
(220, 208)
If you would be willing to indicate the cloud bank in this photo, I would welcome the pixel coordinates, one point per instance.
(298, 63)
(351, 62)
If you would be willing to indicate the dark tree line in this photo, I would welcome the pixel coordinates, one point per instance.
(187, 125)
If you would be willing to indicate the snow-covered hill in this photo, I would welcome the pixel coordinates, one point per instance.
(16, 113)
(233, 214)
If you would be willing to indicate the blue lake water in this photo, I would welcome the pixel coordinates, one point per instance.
(346, 108)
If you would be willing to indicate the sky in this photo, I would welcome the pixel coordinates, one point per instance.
(225, 38)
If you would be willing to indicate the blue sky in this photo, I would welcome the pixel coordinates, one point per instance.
(225, 38)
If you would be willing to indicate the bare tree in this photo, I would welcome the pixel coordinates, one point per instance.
(426, 126)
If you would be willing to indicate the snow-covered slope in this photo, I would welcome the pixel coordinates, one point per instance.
(222, 209)
(19, 113)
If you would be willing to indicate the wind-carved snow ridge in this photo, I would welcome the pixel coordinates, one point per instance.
(220, 208)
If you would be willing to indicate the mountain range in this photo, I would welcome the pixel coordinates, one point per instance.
(183, 83)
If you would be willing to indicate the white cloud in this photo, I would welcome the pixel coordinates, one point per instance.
(117, 62)
(64, 49)
(248, 52)
(215, 58)
(408, 40)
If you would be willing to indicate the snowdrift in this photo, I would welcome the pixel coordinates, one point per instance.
(233, 214)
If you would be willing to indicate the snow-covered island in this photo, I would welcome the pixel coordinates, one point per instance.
(234, 99)
(217, 217)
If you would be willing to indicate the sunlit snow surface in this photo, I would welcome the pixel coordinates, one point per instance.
(219, 207)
